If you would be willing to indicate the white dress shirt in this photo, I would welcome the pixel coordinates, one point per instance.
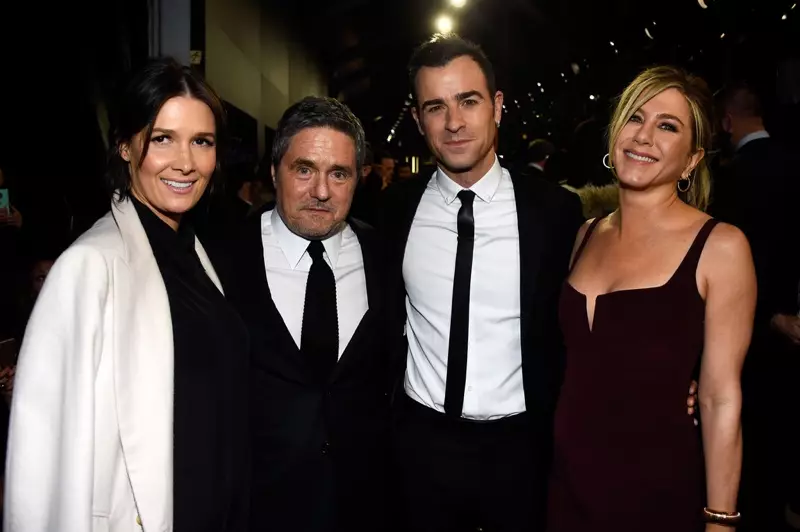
(755, 135)
(287, 264)
(494, 354)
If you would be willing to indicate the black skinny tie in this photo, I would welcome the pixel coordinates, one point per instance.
(459, 315)
(319, 339)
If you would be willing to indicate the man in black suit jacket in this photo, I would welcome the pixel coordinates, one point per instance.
(758, 191)
(309, 285)
(476, 260)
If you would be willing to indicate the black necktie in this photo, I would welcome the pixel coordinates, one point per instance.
(319, 339)
(459, 315)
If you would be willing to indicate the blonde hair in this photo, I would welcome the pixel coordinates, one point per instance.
(652, 82)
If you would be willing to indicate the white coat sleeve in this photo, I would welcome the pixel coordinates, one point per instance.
(50, 462)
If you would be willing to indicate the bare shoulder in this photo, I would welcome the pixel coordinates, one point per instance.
(726, 242)
(726, 260)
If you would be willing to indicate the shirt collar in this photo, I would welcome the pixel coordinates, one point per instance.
(485, 188)
(295, 246)
(755, 135)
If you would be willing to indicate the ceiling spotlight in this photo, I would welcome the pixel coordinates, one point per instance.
(654, 23)
(591, 97)
(794, 6)
(389, 138)
(444, 24)
(702, 4)
(563, 75)
(516, 102)
(647, 32)
(612, 43)
(784, 17)
(458, 3)
(576, 69)
(529, 94)
(542, 90)
(722, 36)
(539, 84)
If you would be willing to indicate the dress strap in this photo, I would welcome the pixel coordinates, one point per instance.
(692, 258)
(585, 241)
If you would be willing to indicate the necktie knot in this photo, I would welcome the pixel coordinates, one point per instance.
(315, 250)
(466, 197)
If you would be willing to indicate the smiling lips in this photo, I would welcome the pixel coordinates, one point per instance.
(639, 157)
(178, 187)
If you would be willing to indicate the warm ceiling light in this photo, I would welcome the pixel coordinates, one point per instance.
(458, 3)
(444, 24)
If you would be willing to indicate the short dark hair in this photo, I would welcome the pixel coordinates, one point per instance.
(139, 104)
(740, 98)
(540, 149)
(315, 111)
(443, 48)
(382, 154)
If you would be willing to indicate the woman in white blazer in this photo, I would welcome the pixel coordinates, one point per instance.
(129, 408)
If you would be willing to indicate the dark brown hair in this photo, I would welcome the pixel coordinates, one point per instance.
(149, 89)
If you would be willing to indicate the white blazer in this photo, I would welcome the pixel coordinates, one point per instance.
(90, 440)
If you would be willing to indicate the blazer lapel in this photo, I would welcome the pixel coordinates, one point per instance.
(372, 278)
(144, 372)
(531, 241)
(253, 287)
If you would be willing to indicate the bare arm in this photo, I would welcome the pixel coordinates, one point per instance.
(728, 276)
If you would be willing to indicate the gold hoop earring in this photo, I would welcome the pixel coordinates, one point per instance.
(687, 184)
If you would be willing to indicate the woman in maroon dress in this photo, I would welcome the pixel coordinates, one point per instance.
(657, 290)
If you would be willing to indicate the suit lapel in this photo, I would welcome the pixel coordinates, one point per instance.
(411, 201)
(372, 278)
(143, 372)
(531, 243)
(263, 313)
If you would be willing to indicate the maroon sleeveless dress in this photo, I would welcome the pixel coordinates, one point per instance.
(627, 456)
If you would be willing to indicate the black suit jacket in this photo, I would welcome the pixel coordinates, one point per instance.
(549, 218)
(758, 192)
(319, 449)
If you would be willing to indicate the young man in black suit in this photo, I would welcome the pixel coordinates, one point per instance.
(308, 282)
(476, 258)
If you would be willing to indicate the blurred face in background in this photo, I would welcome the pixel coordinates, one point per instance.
(386, 169)
(457, 115)
(39, 273)
(315, 182)
(181, 158)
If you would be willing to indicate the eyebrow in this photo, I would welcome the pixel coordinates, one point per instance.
(303, 162)
(460, 97)
(342, 168)
(172, 132)
(670, 117)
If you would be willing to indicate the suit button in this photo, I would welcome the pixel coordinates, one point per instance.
(326, 448)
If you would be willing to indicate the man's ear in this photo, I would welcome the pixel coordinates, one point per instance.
(416, 116)
(498, 107)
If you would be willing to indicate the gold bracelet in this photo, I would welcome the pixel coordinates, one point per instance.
(722, 518)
